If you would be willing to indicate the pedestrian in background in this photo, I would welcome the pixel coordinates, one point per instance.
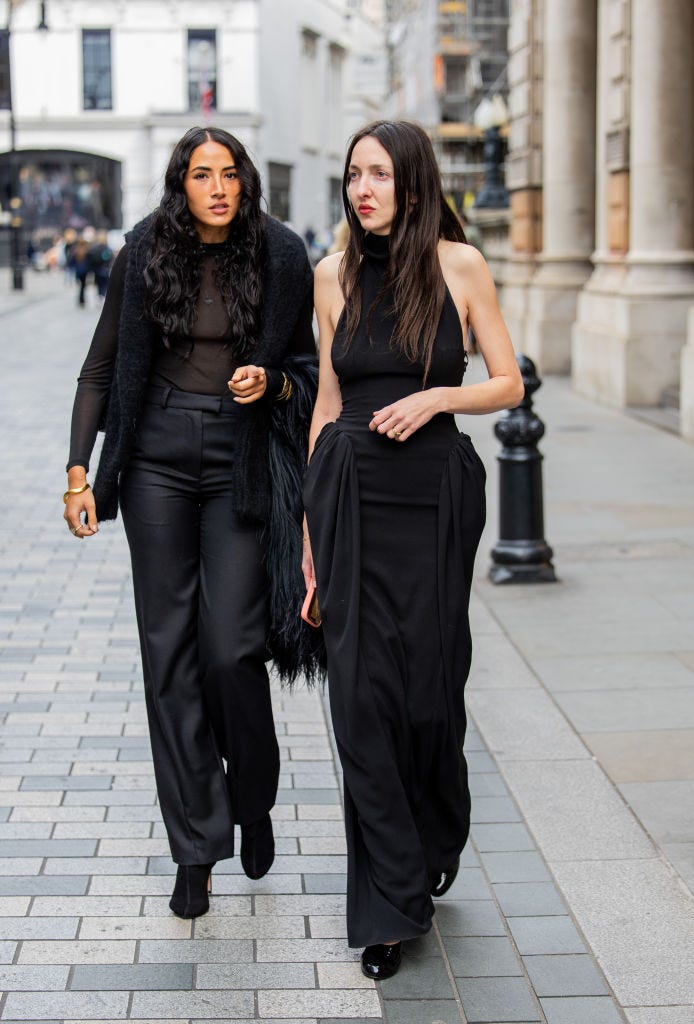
(203, 370)
(340, 237)
(395, 508)
(68, 253)
(100, 261)
(79, 256)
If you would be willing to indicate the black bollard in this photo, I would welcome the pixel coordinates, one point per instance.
(521, 555)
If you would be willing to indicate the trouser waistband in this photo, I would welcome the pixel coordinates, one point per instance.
(177, 399)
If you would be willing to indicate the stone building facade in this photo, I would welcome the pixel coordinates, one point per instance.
(446, 58)
(599, 279)
(102, 91)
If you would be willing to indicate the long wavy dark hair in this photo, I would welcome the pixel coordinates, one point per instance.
(422, 217)
(173, 270)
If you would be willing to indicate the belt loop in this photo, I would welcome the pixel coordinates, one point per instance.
(221, 403)
(165, 397)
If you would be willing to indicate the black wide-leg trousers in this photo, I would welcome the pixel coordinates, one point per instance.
(201, 595)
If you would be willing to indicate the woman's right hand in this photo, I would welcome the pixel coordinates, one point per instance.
(76, 505)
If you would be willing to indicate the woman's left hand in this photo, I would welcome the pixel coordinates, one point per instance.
(401, 419)
(248, 384)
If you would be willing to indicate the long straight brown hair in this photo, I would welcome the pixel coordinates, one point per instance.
(422, 217)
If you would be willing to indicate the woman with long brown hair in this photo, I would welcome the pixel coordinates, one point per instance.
(395, 508)
(202, 373)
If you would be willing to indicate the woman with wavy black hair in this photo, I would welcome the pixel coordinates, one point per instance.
(395, 508)
(202, 373)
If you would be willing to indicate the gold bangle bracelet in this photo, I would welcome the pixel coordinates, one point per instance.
(287, 389)
(74, 490)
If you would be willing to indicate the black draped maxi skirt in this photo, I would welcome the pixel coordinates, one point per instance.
(394, 530)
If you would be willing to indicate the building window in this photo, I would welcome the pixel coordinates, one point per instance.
(202, 69)
(456, 75)
(96, 69)
(490, 9)
(336, 58)
(280, 176)
(335, 201)
(310, 91)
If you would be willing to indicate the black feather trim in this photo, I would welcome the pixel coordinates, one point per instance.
(296, 647)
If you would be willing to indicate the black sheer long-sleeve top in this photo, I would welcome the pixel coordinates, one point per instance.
(202, 363)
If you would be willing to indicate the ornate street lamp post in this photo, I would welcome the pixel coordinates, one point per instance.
(490, 116)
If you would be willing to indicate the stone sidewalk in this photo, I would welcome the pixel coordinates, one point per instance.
(585, 692)
(548, 879)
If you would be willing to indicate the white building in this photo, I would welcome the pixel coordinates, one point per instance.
(101, 96)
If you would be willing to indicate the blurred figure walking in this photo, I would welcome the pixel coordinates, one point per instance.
(80, 262)
(100, 261)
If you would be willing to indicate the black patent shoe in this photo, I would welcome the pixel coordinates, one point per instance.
(191, 895)
(381, 961)
(257, 847)
(445, 880)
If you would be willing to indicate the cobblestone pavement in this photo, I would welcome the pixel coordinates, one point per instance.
(85, 875)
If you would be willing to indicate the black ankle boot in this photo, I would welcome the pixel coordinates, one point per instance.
(191, 895)
(381, 961)
(442, 883)
(257, 847)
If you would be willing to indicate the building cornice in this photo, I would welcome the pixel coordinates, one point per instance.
(89, 121)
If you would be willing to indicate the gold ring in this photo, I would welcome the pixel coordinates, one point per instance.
(73, 530)
(397, 433)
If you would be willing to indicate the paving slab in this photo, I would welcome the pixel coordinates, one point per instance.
(652, 755)
(318, 1002)
(660, 1015)
(681, 856)
(422, 1011)
(607, 899)
(524, 725)
(581, 1010)
(666, 808)
(162, 977)
(549, 935)
(575, 812)
(492, 1001)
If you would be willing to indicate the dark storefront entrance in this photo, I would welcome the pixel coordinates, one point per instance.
(60, 189)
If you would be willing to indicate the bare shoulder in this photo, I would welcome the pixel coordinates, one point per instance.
(461, 258)
(327, 270)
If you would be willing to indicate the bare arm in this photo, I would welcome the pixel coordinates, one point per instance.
(328, 302)
(474, 294)
(470, 283)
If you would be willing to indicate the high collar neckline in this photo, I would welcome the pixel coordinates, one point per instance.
(376, 246)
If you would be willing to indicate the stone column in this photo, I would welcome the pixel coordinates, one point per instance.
(570, 31)
(523, 165)
(593, 360)
(628, 344)
(687, 383)
(661, 256)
